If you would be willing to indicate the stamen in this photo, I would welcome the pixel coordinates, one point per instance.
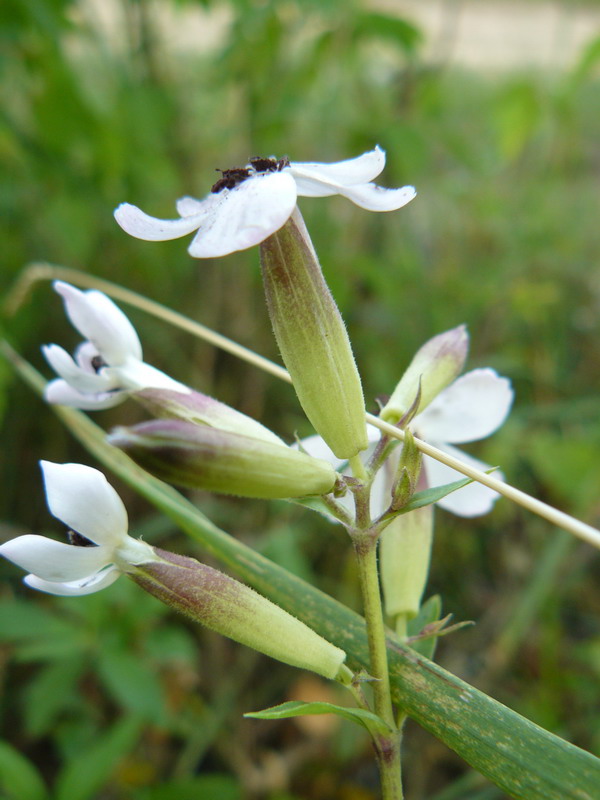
(97, 363)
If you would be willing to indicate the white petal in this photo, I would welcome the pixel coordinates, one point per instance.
(246, 215)
(378, 198)
(151, 229)
(471, 408)
(54, 561)
(189, 206)
(81, 379)
(83, 499)
(61, 393)
(470, 501)
(136, 375)
(380, 493)
(315, 446)
(98, 319)
(341, 173)
(87, 585)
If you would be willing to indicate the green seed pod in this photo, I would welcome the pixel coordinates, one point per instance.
(238, 612)
(312, 339)
(202, 457)
(436, 365)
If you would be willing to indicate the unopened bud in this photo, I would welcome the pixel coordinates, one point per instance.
(201, 457)
(436, 365)
(408, 471)
(203, 410)
(312, 339)
(405, 551)
(237, 611)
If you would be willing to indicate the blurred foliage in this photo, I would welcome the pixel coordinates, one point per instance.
(110, 696)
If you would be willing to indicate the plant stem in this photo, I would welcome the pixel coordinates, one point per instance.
(387, 747)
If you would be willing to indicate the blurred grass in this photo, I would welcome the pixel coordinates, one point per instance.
(503, 236)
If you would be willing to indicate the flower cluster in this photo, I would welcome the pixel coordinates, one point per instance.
(470, 409)
(196, 441)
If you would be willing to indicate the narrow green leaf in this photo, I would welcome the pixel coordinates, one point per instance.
(524, 760)
(429, 496)
(298, 708)
(19, 779)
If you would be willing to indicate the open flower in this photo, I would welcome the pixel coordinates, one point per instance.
(250, 203)
(471, 408)
(82, 498)
(101, 550)
(107, 365)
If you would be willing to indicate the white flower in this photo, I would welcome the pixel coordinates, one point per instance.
(249, 204)
(82, 498)
(107, 365)
(471, 408)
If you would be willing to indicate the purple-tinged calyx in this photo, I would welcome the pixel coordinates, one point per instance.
(436, 365)
(201, 409)
(235, 610)
(201, 457)
(312, 339)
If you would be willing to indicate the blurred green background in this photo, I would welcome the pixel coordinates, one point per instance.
(111, 696)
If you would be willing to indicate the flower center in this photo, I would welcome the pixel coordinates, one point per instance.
(78, 540)
(256, 166)
(97, 363)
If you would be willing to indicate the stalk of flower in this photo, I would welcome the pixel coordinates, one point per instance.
(101, 550)
(201, 457)
(109, 364)
(248, 204)
(312, 338)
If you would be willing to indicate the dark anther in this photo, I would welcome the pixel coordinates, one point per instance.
(269, 164)
(97, 363)
(78, 540)
(231, 178)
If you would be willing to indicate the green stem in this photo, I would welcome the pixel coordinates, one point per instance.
(402, 626)
(386, 747)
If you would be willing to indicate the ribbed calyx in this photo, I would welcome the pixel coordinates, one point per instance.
(201, 457)
(436, 365)
(405, 552)
(312, 338)
(238, 612)
(203, 410)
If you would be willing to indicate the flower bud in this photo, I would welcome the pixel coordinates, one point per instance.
(405, 550)
(312, 339)
(202, 457)
(203, 410)
(407, 472)
(238, 612)
(438, 362)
